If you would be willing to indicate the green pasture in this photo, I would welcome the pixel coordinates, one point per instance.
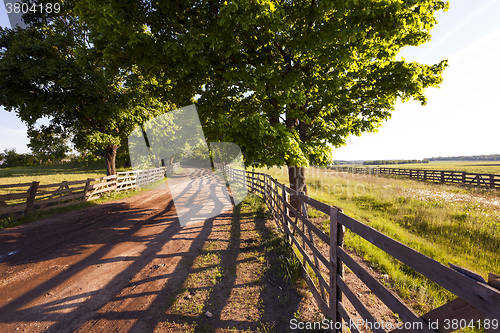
(451, 224)
(48, 174)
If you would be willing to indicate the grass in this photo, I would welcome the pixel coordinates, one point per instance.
(492, 167)
(14, 220)
(52, 174)
(448, 223)
(48, 174)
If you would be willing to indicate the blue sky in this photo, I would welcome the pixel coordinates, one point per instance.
(460, 118)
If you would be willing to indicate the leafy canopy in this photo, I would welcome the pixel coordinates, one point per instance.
(285, 80)
(52, 69)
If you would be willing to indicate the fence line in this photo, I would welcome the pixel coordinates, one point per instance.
(44, 197)
(323, 257)
(437, 176)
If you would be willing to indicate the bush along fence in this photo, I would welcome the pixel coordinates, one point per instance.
(323, 257)
(28, 197)
(437, 176)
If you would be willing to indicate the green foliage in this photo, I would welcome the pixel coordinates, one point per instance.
(10, 158)
(285, 80)
(88, 160)
(492, 157)
(48, 145)
(290, 268)
(52, 69)
(385, 162)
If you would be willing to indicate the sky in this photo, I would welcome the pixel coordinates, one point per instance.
(462, 117)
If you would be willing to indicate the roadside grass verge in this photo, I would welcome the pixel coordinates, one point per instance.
(450, 224)
(245, 275)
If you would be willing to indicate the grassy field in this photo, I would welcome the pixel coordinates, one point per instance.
(448, 223)
(467, 166)
(48, 174)
(14, 220)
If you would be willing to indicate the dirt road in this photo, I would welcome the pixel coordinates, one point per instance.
(97, 269)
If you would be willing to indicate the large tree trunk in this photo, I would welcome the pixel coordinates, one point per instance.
(297, 179)
(296, 175)
(110, 159)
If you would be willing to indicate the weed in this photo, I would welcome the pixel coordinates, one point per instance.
(290, 268)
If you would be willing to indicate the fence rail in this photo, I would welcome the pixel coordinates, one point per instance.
(323, 256)
(28, 197)
(437, 176)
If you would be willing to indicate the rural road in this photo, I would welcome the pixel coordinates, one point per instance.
(198, 195)
(106, 268)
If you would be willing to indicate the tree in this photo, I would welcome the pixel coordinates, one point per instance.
(48, 145)
(51, 69)
(285, 80)
(10, 158)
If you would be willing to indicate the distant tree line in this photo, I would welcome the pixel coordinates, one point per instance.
(345, 162)
(10, 158)
(384, 162)
(493, 157)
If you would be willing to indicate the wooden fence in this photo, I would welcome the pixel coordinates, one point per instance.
(437, 176)
(27, 197)
(323, 257)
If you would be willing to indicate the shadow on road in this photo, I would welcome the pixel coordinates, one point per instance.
(128, 266)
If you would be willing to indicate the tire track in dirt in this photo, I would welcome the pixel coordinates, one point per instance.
(96, 269)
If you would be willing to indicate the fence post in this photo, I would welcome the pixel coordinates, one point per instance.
(492, 181)
(494, 281)
(31, 199)
(246, 180)
(285, 222)
(86, 190)
(463, 178)
(266, 191)
(336, 239)
(253, 182)
(442, 176)
(340, 266)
